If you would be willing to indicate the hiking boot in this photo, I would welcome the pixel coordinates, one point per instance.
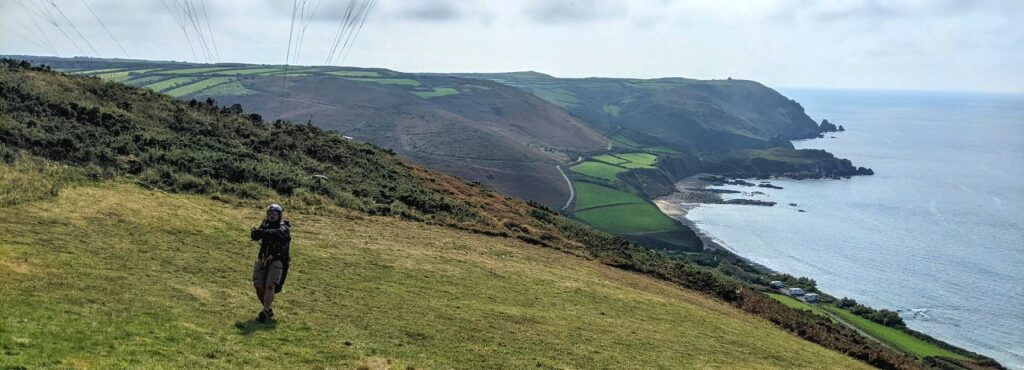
(262, 317)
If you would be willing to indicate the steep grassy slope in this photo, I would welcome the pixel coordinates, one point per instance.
(112, 275)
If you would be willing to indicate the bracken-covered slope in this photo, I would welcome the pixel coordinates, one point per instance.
(94, 250)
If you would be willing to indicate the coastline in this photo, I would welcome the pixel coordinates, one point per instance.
(677, 205)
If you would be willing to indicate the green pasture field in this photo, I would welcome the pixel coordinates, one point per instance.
(96, 71)
(598, 170)
(592, 195)
(169, 83)
(610, 159)
(388, 81)
(142, 80)
(628, 219)
(438, 91)
(247, 71)
(114, 76)
(354, 73)
(196, 70)
(894, 337)
(639, 159)
(796, 303)
(198, 86)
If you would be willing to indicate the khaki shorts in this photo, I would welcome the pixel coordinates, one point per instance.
(266, 275)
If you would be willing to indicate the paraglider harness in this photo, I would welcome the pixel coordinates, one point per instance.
(275, 242)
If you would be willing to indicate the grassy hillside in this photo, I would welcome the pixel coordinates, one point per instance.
(62, 131)
(112, 275)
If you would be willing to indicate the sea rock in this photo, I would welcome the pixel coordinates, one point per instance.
(739, 182)
(827, 126)
(841, 129)
(800, 210)
(750, 202)
(865, 171)
(715, 191)
(792, 204)
(769, 186)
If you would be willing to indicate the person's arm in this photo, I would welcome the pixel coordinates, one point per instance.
(281, 234)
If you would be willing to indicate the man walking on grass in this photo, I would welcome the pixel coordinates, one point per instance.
(271, 267)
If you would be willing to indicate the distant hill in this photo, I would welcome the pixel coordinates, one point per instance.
(704, 115)
(130, 205)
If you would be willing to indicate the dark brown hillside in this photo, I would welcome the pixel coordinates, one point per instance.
(489, 133)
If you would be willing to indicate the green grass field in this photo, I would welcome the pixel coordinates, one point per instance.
(592, 195)
(639, 159)
(115, 276)
(246, 71)
(354, 73)
(610, 159)
(114, 76)
(901, 341)
(598, 170)
(893, 337)
(198, 86)
(438, 91)
(197, 70)
(93, 72)
(628, 219)
(170, 83)
(143, 80)
(388, 81)
(229, 88)
(796, 303)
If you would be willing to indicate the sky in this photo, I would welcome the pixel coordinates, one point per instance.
(946, 45)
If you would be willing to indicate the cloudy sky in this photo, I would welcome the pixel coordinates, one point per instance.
(913, 44)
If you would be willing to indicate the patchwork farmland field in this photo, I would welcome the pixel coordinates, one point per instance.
(198, 86)
(388, 81)
(593, 195)
(438, 91)
(170, 83)
(599, 170)
(608, 166)
(628, 219)
(618, 211)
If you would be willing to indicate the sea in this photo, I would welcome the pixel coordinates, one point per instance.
(937, 232)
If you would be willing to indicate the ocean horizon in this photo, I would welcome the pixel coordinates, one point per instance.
(937, 231)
